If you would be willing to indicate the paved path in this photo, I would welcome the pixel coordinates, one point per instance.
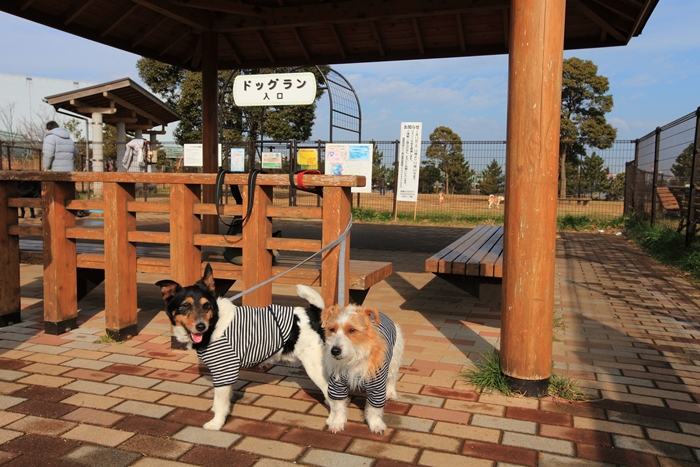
(630, 339)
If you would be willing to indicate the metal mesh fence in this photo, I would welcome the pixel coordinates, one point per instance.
(463, 196)
(665, 169)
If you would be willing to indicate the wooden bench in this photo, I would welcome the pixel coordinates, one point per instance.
(583, 201)
(668, 200)
(473, 263)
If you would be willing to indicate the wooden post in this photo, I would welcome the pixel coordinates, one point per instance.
(336, 214)
(185, 256)
(120, 262)
(9, 258)
(532, 156)
(210, 135)
(60, 260)
(257, 259)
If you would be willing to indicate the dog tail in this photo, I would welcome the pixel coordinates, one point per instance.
(311, 296)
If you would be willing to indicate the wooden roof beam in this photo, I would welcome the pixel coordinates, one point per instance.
(234, 49)
(26, 5)
(117, 19)
(609, 28)
(75, 11)
(128, 105)
(265, 47)
(621, 8)
(506, 27)
(419, 40)
(148, 30)
(460, 33)
(338, 41)
(171, 43)
(304, 50)
(113, 120)
(182, 15)
(197, 54)
(82, 107)
(375, 31)
(352, 11)
(224, 6)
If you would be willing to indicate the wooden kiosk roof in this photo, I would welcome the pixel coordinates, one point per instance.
(121, 100)
(273, 33)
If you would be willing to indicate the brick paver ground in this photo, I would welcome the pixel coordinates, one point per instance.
(630, 338)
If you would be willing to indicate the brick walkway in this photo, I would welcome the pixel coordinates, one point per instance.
(630, 338)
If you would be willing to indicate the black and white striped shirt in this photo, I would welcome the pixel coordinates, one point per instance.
(254, 335)
(338, 384)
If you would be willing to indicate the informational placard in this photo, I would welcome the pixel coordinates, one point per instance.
(193, 155)
(409, 161)
(272, 160)
(238, 159)
(274, 89)
(351, 159)
(308, 158)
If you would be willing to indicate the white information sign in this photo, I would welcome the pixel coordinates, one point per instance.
(272, 160)
(193, 155)
(238, 159)
(351, 159)
(274, 89)
(409, 161)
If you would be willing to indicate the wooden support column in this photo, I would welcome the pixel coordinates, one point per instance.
(534, 103)
(9, 259)
(210, 135)
(257, 259)
(336, 214)
(120, 262)
(60, 268)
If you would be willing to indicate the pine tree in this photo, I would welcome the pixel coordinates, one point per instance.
(492, 179)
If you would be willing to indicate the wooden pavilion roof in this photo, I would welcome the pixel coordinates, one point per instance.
(120, 101)
(279, 33)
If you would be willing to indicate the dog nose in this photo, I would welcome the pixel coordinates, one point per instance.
(335, 351)
(200, 327)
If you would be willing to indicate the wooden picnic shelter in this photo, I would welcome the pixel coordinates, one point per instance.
(212, 35)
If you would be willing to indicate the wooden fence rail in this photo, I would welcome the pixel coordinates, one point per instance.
(69, 274)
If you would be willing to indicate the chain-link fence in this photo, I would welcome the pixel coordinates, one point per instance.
(447, 189)
(663, 177)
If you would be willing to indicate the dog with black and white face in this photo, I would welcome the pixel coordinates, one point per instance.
(363, 351)
(228, 338)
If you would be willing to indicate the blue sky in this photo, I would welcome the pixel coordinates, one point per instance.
(653, 80)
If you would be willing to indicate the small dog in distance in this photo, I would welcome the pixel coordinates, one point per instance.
(496, 201)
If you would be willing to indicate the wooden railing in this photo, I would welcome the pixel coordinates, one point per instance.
(68, 271)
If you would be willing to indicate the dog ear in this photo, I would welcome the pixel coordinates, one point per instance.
(372, 314)
(168, 288)
(208, 278)
(328, 313)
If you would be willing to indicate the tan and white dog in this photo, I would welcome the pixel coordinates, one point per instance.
(363, 351)
(496, 201)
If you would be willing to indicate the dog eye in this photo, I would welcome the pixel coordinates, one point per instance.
(352, 331)
(206, 306)
(331, 330)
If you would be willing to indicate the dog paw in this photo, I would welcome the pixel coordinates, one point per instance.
(391, 394)
(214, 425)
(334, 425)
(376, 426)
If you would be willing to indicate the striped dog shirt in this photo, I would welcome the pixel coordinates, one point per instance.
(339, 386)
(253, 336)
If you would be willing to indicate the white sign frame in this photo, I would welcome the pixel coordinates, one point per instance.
(193, 155)
(409, 161)
(274, 89)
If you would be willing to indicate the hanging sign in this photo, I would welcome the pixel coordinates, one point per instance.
(409, 161)
(272, 160)
(238, 159)
(308, 158)
(351, 159)
(192, 155)
(274, 89)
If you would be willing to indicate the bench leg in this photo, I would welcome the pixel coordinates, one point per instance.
(358, 296)
(486, 289)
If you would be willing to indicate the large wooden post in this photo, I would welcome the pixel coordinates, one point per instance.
(210, 135)
(534, 103)
(10, 305)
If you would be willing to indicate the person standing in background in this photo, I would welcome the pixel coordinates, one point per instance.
(59, 151)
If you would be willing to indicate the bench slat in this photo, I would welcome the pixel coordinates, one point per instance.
(443, 261)
(472, 263)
